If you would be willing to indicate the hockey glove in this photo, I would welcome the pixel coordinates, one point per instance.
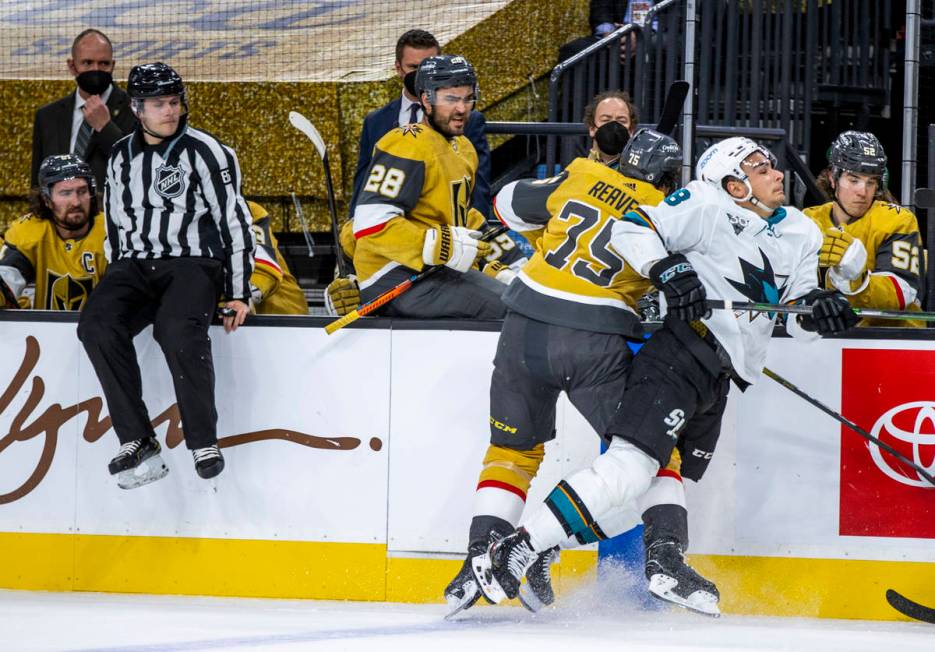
(831, 313)
(846, 257)
(342, 296)
(456, 247)
(684, 292)
(499, 271)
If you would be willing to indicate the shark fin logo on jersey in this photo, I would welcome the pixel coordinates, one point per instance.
(170, 181)
(759, 283)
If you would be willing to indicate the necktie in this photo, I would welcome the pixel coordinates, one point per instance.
(413, 113)
(81, 142)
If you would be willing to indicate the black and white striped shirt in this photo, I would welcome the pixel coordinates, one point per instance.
(176, 199)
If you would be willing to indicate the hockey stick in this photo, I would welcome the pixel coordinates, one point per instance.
(909, 608)
(801, 309)
(302, 123)
(308, 236)
(395, 291)
(850, 424)
(672, 108)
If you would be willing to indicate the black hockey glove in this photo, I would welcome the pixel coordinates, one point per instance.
(831, 313)
(685, 295)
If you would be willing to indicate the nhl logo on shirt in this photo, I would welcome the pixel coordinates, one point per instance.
(170, 181)
(891, 393)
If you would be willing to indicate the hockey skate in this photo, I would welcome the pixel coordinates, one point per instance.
(537, 591)
(208, 461)
(462, 592)
(671, 579)
(138, 463)
(499, 570)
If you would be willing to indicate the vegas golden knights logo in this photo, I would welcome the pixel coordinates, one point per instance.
(65, 292)
(460, 201)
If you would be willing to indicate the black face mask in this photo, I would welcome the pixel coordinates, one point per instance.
(94, 82)
(409, 81)
(611, 138)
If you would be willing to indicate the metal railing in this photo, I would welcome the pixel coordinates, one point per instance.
(630, 58)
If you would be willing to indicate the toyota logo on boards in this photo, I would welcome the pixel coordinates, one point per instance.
(891, 393)
(921, 439)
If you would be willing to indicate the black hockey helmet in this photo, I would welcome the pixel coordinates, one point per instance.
(61, 167)
(445, 71)
(154, 80)
(652, 157)
(858, 151)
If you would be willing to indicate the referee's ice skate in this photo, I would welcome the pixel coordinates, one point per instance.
(138, 463)
(671, 579)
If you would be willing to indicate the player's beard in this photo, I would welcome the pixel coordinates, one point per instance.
(75, 219)
(445, 126)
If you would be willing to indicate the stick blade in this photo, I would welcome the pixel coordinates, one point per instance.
(925, 198)
(672, 109)
(304, 125)
(909, 608)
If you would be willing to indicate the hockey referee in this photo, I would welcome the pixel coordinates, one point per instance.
(178, 240)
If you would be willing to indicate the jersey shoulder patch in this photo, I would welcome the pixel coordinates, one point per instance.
(892, 218)
(27, 231)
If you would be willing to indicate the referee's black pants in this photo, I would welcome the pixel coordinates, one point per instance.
(178, 296)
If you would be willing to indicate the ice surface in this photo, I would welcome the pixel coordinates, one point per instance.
(588, 620)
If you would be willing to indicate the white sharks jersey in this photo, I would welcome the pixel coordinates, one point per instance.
(738, 255)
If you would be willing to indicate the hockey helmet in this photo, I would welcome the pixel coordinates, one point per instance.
(154, 80)
(445, 71)
(725, 158)
(858, 151)
(652, 157)
(62, 167)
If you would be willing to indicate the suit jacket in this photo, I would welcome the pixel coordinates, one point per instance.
(51, 133)
(379, 122)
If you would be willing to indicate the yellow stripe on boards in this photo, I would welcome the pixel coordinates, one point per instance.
(814, 588)
(777, 586)
(186, 566)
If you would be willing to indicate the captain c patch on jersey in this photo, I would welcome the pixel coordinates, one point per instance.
(170, 181)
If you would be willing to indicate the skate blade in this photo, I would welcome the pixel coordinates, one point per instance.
(482, 566)
(456, 605)
(700, 601)
(149, 470)
(529, 599)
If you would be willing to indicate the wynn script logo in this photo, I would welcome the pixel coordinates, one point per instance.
(26, 424)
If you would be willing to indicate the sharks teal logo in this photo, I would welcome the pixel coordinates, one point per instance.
(759, 283)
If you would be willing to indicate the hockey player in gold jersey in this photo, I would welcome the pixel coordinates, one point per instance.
(59, 245)
(872, 249)
(571, 311)
(413, 210)
(273, 288)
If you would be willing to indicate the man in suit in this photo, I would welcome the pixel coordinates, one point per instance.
(89, 121)
(411, 48)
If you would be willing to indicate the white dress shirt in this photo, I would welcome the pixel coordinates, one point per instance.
(77, 116)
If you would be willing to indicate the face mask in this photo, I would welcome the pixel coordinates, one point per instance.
(94, 82)
(611, 138)
(409, 81)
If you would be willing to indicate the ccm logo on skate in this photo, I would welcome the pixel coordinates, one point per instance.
(502, 426)
(25, 425)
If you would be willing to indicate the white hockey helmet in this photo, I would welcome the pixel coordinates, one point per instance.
(724, 159)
